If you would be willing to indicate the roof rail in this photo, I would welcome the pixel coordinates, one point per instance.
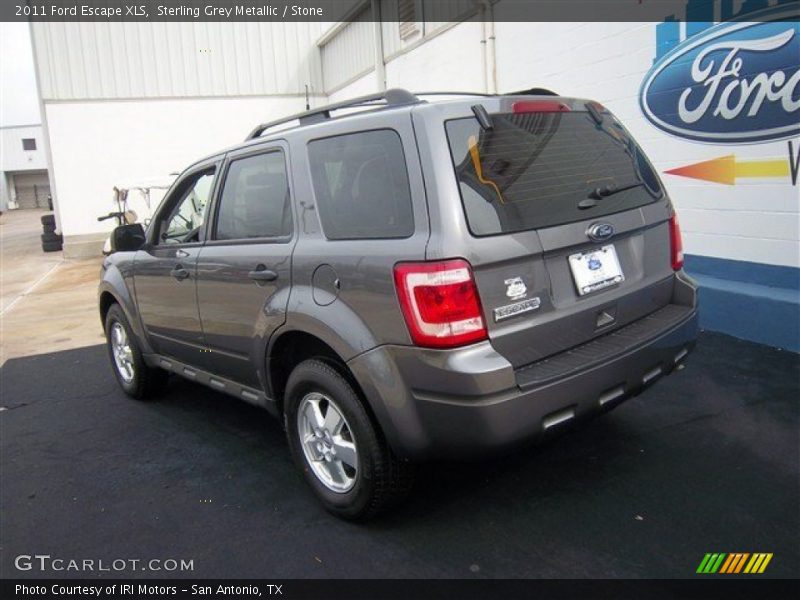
(454, 94)
(392, 97)
(533, 92)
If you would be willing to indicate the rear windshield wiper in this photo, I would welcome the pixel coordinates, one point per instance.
(611, 189)
(605, 191)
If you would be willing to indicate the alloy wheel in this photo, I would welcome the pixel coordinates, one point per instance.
(328, 442)
(123, 355)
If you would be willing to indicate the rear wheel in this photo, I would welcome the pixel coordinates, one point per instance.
(341, 453)
(134, 376)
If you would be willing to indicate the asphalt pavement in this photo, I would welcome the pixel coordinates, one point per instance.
(707, 460)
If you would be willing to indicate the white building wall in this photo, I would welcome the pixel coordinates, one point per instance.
(13, 157)
(154, 138)
(366, 84)
(349, 53)
(754, 220)
(136, 101)
(450, 60)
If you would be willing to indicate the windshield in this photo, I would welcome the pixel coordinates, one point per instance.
(531, 170)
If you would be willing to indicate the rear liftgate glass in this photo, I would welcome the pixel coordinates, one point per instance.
(545, 166)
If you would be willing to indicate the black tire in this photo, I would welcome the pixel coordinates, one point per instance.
(147, 382)
(49, 228)
(48, 220)
(382, 479)
(51, 246)
(51, 237)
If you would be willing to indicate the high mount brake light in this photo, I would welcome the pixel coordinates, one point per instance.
(440, 303)
(675, 243)
(539, 106)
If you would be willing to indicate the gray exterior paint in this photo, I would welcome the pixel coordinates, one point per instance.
(220, 327)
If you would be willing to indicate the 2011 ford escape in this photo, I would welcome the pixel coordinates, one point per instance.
(414, 280)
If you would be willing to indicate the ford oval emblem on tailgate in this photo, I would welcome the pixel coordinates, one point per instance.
(599, 232)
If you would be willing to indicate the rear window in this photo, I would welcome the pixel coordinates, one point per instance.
(255, 200)
(361, 185)
(531, 170)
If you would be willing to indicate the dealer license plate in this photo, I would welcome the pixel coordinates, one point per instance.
(595, 270)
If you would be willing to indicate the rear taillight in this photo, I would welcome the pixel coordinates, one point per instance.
(675, 243)
(440, 303)
(533, 106)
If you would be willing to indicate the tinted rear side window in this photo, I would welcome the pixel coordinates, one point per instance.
(255, 199)
(532, 169)
(361, 184)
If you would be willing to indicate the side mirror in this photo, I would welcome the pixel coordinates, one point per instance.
(127, 238)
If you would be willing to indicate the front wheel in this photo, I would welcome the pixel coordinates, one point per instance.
(133, 375)
(334, 442)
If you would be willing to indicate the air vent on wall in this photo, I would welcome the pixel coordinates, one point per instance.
(407, 17)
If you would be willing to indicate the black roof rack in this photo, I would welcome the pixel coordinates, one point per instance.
(529, 92)
(533, 92)
(454, 94)
(392, 97)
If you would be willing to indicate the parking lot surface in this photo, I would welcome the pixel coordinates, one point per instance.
(704, 461)
(46, 303)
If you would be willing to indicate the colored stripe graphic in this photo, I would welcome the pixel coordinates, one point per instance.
(741, 562)
(727, 564)
(726, 169)
(724, 563)
(736, 563)
(711, 563)
(717, 564)
(758, 563)
(703, 563)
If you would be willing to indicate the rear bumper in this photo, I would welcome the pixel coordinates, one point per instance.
(470, 402)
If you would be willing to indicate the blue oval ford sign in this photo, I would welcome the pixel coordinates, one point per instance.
(735, 83)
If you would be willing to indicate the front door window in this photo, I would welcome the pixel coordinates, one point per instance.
(186, 219)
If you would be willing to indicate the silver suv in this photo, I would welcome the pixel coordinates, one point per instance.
(410, 280)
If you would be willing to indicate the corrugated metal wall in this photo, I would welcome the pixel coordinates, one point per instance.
(390, 28)
(440, 13)
(431, 16)
(350, 52)
(84, 61)
(90, 61)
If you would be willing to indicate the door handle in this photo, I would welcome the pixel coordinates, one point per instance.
(262, 273)
(179, 273)
(181, 253)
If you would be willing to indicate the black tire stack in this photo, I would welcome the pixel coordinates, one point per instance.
(51, 241)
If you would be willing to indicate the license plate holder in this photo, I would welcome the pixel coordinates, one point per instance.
(596, 269)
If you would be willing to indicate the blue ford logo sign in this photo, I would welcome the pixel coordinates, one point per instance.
(735, 83)
(600, 231)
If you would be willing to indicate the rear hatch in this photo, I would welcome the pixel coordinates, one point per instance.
(569, 222)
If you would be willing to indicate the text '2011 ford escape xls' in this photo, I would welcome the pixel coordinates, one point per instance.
(415, 280)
